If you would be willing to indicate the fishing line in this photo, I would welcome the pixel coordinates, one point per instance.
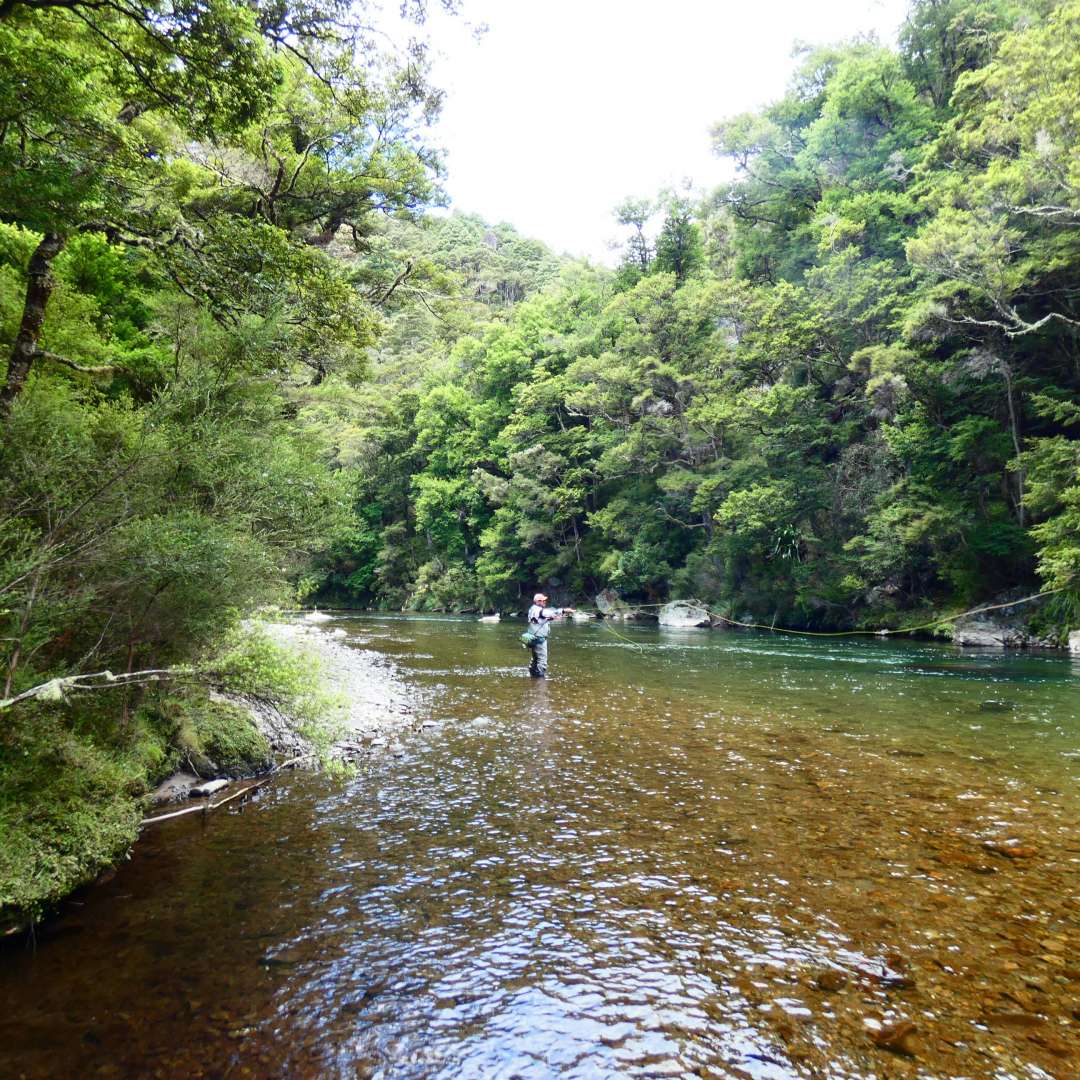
(715, 615)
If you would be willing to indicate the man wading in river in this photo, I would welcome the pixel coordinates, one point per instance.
(540, 620)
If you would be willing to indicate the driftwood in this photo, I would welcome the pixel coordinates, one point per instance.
(237, 794)
(207, 807)
(290, 763)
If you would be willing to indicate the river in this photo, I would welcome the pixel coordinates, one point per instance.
(688, 853)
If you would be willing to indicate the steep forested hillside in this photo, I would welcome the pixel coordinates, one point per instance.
(843, 386)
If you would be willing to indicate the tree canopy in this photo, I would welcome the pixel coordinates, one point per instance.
(837, 389)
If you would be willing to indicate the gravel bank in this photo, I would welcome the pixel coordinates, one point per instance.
(372, 705)
(375, 702)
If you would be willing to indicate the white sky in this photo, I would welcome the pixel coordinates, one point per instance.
(564, 107)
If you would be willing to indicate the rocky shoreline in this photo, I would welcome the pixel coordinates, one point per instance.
(371, 705)
(367, 706)
(375, 703)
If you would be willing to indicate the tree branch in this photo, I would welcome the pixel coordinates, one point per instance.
(1016, 326)
(56, 690)
(397, 281)
(86, 369)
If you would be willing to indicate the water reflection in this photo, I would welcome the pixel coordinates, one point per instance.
(685, 854)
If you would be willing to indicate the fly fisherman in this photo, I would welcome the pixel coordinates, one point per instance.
(540, 619)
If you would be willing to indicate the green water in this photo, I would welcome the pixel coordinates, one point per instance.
(686, 854)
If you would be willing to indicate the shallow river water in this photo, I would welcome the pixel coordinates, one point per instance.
(688, 853)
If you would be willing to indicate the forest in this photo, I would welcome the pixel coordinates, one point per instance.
(247, 365)
(839, 390)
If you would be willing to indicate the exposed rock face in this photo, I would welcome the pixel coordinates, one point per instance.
(684, 614)
(1074, 643)
(1006, 627)
(175, 788)
(279, 730)
(985, 633)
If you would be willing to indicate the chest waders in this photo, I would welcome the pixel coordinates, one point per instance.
(535, 638)
(538, 665)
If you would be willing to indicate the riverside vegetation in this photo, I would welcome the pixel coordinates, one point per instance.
(244, 366)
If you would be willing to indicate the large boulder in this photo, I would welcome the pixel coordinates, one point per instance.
(684, 614)
(1012, 624)
(610, 604)
(987, 633)
(1074, 643)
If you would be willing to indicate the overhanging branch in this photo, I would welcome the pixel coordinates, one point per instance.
(56, 690)
(86, 369)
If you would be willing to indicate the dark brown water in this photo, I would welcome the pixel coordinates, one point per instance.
(688, 854)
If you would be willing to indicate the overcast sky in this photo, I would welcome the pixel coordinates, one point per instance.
(564, 107)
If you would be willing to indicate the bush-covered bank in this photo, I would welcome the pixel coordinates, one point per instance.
(189, 198)
(75, 778)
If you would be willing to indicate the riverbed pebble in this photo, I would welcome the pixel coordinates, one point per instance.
(898, 1038)
(831, 980)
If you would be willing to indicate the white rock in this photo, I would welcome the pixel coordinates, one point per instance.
(684, 614)
(317, 617)
(202, 790)
(582, 616)
(1074, 643)
(490, 618)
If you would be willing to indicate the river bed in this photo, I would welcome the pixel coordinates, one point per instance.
(688, 853)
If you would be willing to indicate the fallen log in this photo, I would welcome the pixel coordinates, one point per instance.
(237, 794)
(299, 759)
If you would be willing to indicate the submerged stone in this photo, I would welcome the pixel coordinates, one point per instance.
(1011, 849)
(831, 980)
(1013, 1020)
(899, 1038)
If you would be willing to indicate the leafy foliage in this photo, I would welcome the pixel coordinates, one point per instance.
(837, 388)
(190, 271)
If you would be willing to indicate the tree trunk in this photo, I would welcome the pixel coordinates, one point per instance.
(1014, 431)
(39, 287)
